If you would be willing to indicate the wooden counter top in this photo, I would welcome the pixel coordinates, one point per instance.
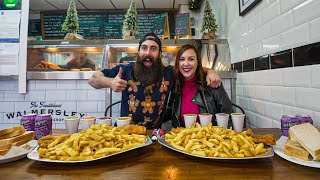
(158, 162)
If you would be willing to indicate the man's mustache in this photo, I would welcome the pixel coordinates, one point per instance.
(144, 58)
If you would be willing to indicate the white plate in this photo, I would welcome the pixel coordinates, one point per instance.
(17, 153)
(278, 149)
(163, 142)
(35, 156)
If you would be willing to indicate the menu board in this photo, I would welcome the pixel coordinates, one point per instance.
(52, 25)
(182, 25)
(151, 23)
(34, 27)
(91, 25)
(113, 25)
(102, 25)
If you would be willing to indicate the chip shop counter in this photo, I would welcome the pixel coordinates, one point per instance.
(158, 162)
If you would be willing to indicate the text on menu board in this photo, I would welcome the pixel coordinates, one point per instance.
(101, 25)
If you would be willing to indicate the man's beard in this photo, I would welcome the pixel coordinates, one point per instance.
(148, 75)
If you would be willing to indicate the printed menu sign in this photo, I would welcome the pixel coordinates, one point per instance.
(182, 24)
(34, 28)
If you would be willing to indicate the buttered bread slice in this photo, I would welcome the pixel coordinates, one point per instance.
(27, 136)
(294, 149)
(13, 134)
(11, 131)
(309, 138)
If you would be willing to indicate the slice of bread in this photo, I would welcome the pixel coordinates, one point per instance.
(10, 130)
(299, 156)
(294, 149)
(308, 137)
(26, 135)
(23, 141)
(5, 146)
(13, 134)
(4, 152)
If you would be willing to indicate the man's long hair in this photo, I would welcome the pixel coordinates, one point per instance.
(200, 74)
(148, 75)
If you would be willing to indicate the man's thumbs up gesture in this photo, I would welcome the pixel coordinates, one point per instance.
(118, 84)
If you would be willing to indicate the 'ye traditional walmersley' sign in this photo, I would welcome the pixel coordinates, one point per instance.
(56, 110)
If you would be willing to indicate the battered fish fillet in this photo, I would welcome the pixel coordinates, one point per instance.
(261, 138)
(265, 139)
(177, 130)
(135, 129)
(46, 140)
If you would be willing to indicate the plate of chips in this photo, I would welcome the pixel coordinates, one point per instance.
(97, 142)
(213, 142)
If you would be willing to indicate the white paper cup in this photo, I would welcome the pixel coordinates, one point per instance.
(105, 120)
(222, 120)
(237, 121)
(87, 122)
(72, 124)
(122, 121)
(189, 119)
(205, 119)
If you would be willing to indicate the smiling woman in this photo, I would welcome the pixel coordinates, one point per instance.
(191, 94)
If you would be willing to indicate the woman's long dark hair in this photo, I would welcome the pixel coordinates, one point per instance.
(200, 74)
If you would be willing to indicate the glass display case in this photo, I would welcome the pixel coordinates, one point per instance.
(64, 59)
(79, 59)
(214, 55)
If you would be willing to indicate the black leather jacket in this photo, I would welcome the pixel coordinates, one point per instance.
(211, 100)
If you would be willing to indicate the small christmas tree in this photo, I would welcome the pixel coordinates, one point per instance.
(71, 24)
(209, 22)
(130, 26)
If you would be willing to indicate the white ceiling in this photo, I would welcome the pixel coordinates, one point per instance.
(36, 6)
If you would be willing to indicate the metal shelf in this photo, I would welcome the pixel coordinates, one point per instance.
(59, 75)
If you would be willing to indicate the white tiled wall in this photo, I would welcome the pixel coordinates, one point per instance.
(273, 26)
(74, 95)
(293, 93)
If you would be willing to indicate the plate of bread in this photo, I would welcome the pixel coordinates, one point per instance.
(302, 146)
(15, 143)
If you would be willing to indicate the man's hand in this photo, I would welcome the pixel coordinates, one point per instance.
(91, 62)
(118, 84)
(213, 79)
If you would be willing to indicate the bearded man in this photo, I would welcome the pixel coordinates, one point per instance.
(145, 84)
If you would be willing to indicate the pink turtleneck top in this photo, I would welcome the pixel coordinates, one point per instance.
(189, 90)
